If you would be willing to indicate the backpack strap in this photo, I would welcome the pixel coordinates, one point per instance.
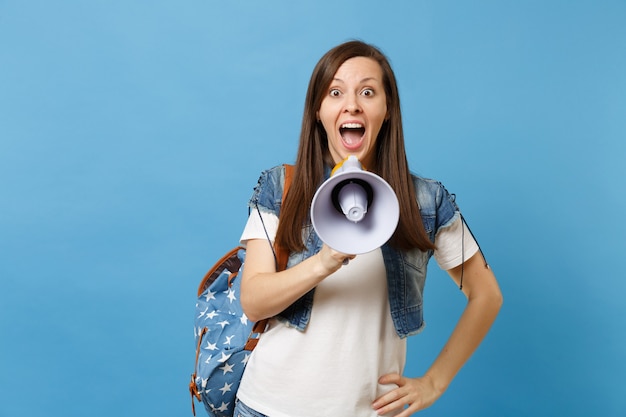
(193, 388)
(282, 256)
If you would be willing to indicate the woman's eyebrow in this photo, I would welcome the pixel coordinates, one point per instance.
(364, 80)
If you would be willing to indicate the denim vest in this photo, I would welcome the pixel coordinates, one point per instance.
(406, 271)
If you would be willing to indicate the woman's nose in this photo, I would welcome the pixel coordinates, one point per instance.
(352, 105)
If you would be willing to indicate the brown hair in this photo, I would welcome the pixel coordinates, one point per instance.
(313, 153)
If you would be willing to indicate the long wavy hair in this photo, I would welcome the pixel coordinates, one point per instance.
(313, 154)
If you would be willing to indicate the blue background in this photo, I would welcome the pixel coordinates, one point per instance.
(132, 133)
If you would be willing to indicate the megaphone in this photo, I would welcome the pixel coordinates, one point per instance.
(354, 211)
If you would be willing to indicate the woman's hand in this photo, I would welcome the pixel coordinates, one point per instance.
(484, 301)
(330, 260)
(415, 393)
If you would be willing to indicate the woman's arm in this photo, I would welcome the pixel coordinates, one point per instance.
(265, 292)
(484, 300)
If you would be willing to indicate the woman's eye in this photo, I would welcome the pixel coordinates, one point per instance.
(368, 92)
(335, 93)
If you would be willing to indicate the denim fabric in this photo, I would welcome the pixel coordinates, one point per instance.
(242, 410)
(406, 271)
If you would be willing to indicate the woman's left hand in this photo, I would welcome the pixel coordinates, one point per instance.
(415, 393)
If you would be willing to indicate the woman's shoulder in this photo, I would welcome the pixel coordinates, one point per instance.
(426, 186)
(432, 196)
(277, 171)
(424, 181)
(268, 190)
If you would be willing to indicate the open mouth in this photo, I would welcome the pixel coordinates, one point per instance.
(352, 134)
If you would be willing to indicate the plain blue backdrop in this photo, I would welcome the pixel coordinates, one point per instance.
(132, 133)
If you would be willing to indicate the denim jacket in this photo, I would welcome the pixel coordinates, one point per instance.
(406, 271)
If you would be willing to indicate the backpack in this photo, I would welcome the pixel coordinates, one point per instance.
(224, 336)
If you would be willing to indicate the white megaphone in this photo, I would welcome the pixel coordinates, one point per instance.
(354, 211)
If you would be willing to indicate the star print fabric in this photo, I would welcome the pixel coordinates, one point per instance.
(221, 331)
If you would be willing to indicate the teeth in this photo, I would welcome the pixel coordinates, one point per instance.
(351, 126)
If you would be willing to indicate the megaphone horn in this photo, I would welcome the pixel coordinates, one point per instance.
(354, 211)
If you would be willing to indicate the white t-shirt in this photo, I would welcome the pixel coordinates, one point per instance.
(332, 368)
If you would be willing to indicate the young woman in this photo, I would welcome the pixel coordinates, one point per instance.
(336, 342)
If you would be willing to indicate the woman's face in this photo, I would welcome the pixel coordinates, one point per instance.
(354, 109)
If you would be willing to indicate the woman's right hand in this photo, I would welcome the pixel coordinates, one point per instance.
(331, 260)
